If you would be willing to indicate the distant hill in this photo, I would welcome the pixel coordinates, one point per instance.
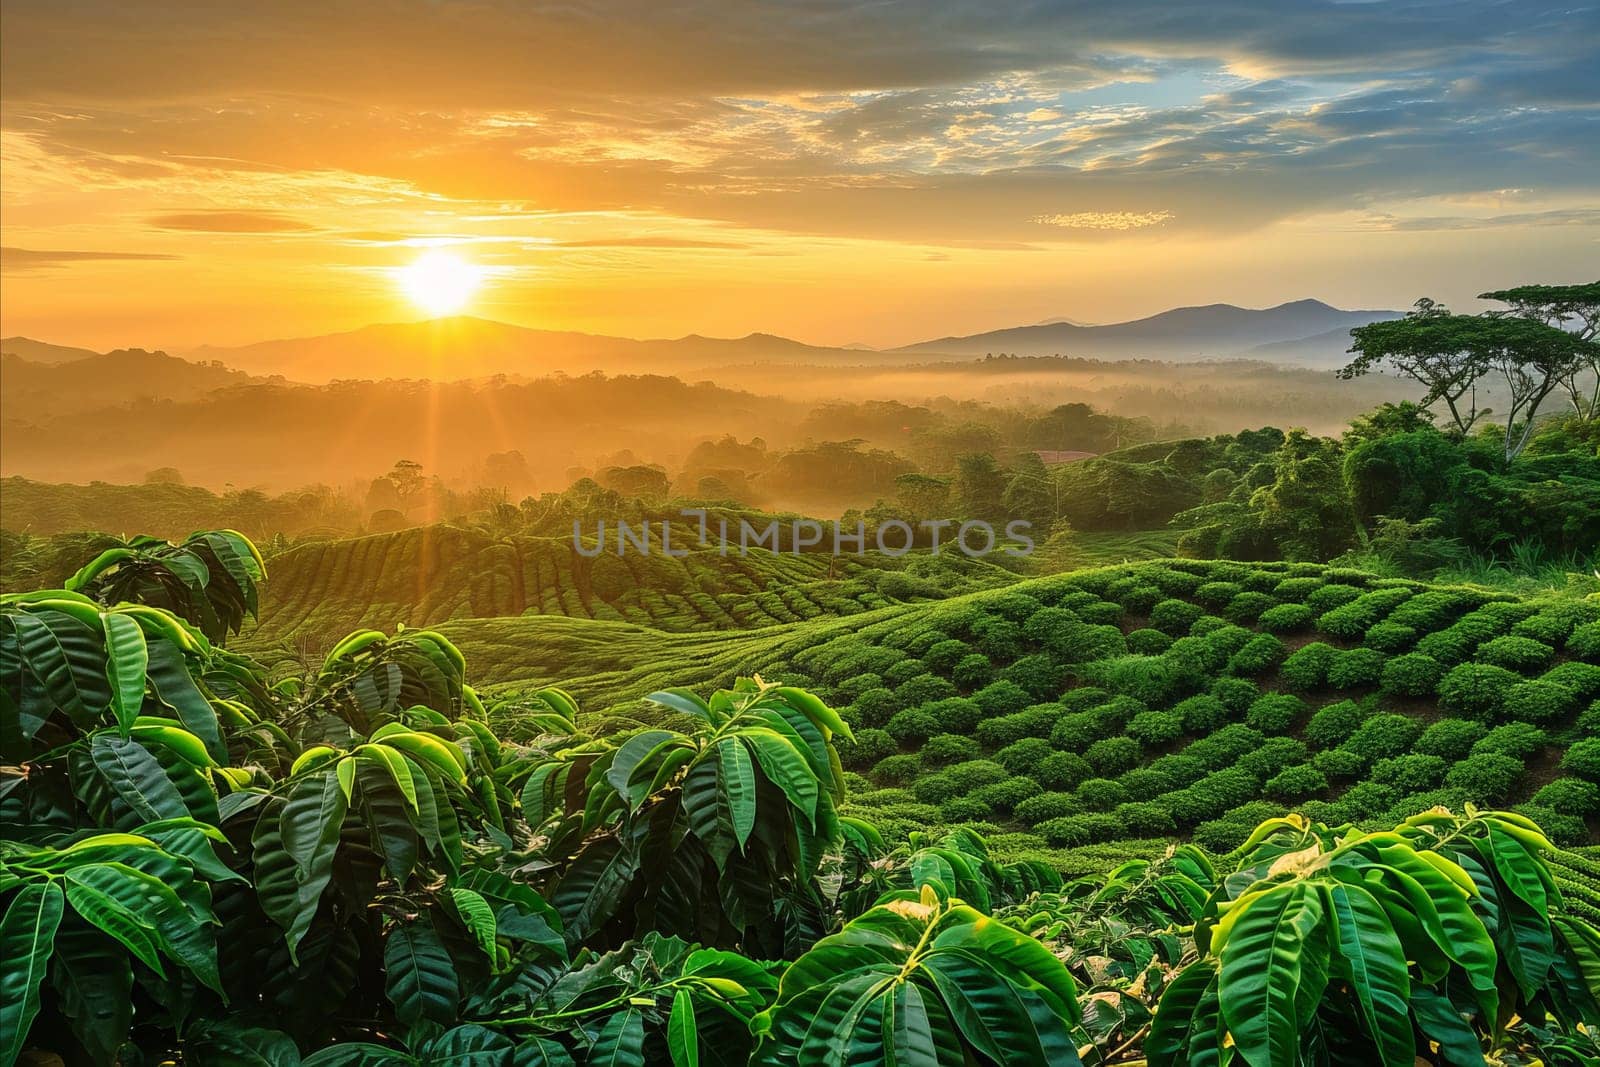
(1209, 332)
(464, 347)
(42, 351)
(35, 391)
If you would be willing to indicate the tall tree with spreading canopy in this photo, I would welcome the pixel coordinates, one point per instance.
(1576, 309)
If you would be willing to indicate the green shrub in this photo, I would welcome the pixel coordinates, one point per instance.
(1175, 582)
(1307, 667)
(1174, 617)
(965, 809)
(1206, 625)
(1411, 675)
(1151, 781)
(1477, 690)
(1356, 668)
(941, 750)
(1051, 627)
(897, 676)
(1589, 720)
(1046, 806)
(1013, 605)
(955, 715)
(1150, 679)
(1273, 755)
(875, 707)
(1382, 736)
(943, 656)
(1582, 678)
(1195, 657)
(1517, 653)
(1449, 646)
(1062, 771)
(1156, 727)
(1233, 829)
(999, 639)
(1100, 794)
(1040, 676)
(1259, 656)
(1275, 713)
(1216, 594)
(914, 725)
(1549, 627)
(1570, 796)
(1584, 642)
(1390, 637)
(1538, 702)
(1332, 725)
(1021, 757)
(1076, 731)
(924, 689)
(1411, 773)
(1225, 747)
(1215, 794)
(1286, 618)
(1339, 764)
(1144, 819)
(1002, 730)
(975, 774)
(898, 769)
(1487, 778)
(1450, 739)
(920, 641)
(935, 788)
(1148, 642)
(1324, 599)
(1100, 613)
(1084, 697)
(1248, 606)
(973, 671)
(1236, 694)
(1005, 796)
(1368, 800)
(1114, 755)
(1183, 770)
(869, 747)
(1296, 783)
(1562, 830)
(1406, 807)
(1002, 698)
(1079, 830)
(1583, 759)
(852, 688)
(1429, 611)
(1517, 739)
(1295, 589)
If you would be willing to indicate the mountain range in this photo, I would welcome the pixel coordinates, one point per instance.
(1304, 332)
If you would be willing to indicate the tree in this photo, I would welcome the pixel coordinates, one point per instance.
(1430, 346)
(1306, 510)
(978, 489)
(1450, 354)
(1557, 305)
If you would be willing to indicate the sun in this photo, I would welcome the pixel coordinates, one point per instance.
(440, 283)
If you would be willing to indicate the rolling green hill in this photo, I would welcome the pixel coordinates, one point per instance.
(1173, 698)
(320, 591)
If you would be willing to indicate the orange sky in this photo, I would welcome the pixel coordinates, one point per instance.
(184, 173)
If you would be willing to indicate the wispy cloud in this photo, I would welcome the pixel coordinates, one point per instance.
(1104, 220)
(19, 260)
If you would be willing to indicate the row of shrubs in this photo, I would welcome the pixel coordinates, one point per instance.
(1033, 706)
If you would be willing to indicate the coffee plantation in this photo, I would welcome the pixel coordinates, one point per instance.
(854, 857)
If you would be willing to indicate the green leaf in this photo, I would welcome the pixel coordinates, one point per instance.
(67, 658)
(94, 988)
(169, 677)
(311, 822)
(127, 657)
(911, 1036)
(226, 1043)
(1187, 1028)
(737, 777)
(477, 916)
(27, 936)
(683, 1035)
(1375, 966)
(183, 932)
(289, 899)
(1262, 969)
(420, 978)
(1007, 1023)
(358, 1054)
(137, 778)
(1442, 1023)
(787, 768)
(1444, 912)
(110, 916)
(620, 1042)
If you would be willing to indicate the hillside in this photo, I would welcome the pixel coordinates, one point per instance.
(42, 351)
(1071, 710)
(464, 347)
(422, 577)
(1211, 331)
(36, 391)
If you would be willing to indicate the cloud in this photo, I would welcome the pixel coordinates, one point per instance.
(22, 260)
(230, 222)
(1104, 220)
(1564, 217)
